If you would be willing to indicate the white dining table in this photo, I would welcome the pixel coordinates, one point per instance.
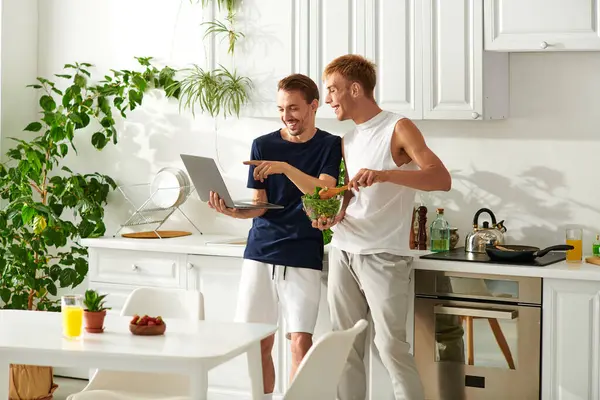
(187, 347)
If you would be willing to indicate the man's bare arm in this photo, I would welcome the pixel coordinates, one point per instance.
(307, 183)
(304, 182)
(432, 174)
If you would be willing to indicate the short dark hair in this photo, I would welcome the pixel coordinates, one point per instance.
(302, 83)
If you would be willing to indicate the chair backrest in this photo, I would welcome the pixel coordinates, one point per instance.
(168, 303)
(320, 370)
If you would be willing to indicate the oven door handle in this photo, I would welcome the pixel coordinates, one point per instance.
(476, 312)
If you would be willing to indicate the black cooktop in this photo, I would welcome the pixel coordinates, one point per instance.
(459, 254)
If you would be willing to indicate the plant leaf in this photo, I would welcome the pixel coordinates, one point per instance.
(39, 224)
(27, 214)
(51, 287)
(47, 103)
(5, 295)
(33, 127)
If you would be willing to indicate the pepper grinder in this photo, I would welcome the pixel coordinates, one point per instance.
(412, 239)
(422, 233)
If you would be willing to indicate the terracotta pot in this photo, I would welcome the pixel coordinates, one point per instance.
(94, 321)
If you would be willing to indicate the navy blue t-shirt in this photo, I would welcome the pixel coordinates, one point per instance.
(286, 236)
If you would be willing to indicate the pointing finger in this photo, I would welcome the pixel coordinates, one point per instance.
(253, 162)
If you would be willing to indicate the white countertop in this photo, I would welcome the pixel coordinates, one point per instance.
(204, 245)
(193, 244)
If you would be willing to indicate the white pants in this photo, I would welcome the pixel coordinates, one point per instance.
(378, 283)
(266, 288)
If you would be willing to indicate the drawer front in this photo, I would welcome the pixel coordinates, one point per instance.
(137, 268)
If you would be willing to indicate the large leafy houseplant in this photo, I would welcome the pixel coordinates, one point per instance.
(48, 206)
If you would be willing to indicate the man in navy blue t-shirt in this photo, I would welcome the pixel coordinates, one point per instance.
(284, 255)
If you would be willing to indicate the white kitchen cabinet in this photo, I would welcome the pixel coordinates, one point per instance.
(460, 79)
(429, 54)
(394, 43)
(385, 32)
(275, 45)
(542, 25)
(571, 340)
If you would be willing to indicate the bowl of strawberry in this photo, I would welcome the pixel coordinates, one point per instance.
(147, 326)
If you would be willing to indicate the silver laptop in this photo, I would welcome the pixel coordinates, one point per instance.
(205, 176)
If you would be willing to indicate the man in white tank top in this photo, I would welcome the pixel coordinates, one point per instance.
(387, 161)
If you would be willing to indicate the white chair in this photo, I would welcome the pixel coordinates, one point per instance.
(168, 303)
(320, 370)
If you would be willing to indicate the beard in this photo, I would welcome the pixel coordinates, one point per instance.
(295, 127)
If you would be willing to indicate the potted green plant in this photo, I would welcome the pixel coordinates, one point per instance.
(94, 312)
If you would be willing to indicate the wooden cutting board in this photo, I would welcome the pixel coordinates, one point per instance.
(153, 234)
(593, 260)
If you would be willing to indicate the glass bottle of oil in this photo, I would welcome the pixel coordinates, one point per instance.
(439, 233)
(596, 246)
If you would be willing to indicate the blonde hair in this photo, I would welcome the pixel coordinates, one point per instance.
(354, 68)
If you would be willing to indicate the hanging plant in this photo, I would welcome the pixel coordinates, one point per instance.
(216, 92)
(219, 28)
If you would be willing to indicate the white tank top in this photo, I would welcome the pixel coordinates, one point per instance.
(378, 217)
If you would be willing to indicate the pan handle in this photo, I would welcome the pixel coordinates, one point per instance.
(559, 247)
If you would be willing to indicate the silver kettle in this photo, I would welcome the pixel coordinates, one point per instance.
(476, 241)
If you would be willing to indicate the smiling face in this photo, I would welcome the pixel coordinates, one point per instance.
(295, 112)
(340, 96)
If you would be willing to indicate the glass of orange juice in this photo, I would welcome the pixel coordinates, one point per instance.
(574, 238)
(72, 315)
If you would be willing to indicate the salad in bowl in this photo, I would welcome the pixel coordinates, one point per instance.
(316, 207)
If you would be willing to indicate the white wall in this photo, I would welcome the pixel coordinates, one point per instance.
(537, 170)
(18, 67)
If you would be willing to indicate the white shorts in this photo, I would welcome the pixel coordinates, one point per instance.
(264, 290)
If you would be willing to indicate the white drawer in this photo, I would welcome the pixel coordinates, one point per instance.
(137, 268)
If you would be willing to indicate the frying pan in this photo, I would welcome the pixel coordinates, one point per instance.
(521, 253)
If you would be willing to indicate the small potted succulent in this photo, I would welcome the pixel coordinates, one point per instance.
(94, 312)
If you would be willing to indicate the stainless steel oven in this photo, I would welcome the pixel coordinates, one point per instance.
(478, 336)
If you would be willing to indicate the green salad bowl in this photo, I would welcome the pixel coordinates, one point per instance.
(317, 208)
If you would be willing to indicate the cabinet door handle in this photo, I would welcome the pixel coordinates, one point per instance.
(134, 267)
(543, 45)
(190, 266)
(475, 312)
(475, 115)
